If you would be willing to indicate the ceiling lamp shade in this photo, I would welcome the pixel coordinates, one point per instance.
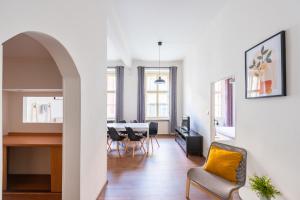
(159, 80)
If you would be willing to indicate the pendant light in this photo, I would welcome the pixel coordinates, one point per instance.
(159, 80)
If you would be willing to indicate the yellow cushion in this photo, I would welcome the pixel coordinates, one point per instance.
(223, 163)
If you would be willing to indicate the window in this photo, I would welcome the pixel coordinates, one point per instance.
(156, 95)
(111, 93)
(42, 109)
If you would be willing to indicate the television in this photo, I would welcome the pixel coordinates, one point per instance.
(185, 123)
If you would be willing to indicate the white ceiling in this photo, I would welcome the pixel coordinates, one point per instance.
(178, 23)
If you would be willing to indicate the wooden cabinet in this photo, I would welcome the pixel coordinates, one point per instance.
(30, 183)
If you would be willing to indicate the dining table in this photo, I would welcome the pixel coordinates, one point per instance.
(138, 127)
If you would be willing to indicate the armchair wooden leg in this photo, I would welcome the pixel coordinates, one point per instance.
(156, 141)
(187, 189)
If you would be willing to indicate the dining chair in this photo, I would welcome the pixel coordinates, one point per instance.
(115, 137)
(214, 184)
(135, 139)
(123, 122)
(138, 132)
(108, 138)
(153, 131)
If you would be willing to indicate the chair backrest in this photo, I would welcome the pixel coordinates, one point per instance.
(130, 133)
(242, 169)
(113, 133)
(122, 121)
(110, 121)
(134, 121)
(153, 128)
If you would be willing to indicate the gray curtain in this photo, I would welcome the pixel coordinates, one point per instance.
(119, 92)
(173, 99)
(141, 95)
(229, 102)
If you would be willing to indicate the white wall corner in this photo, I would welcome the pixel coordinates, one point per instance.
(117, 46)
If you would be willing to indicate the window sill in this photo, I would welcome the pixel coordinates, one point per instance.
(157, 119)
(42, 122)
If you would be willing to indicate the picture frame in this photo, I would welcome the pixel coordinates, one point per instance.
(265, 68)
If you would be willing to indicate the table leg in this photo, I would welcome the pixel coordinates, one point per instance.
(56, 169)
(4, 183)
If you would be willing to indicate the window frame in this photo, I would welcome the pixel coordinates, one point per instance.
(25, 99)
(157, 92)
(111, 71)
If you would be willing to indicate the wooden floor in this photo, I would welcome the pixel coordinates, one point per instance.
(160, 176)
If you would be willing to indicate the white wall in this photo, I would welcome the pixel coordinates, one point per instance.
(267, 128)
(130, 89)
(117, 46)
(24, 73)
(81, 27)
(14, 114)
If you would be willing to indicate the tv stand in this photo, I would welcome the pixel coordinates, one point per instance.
(190, 141)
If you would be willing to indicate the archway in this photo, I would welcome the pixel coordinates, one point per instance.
(71, 113)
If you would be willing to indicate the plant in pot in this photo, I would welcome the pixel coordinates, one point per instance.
(263, 187)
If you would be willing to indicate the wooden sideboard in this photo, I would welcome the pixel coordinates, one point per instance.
(48, 140)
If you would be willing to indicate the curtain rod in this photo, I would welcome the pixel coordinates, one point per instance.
(114, 66)
(144, 67)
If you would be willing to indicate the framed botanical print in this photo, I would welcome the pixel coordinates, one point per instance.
(265, 68)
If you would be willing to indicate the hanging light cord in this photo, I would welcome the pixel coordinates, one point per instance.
(159, 44)
(159, 80)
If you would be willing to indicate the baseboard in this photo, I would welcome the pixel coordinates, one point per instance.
(102, 190)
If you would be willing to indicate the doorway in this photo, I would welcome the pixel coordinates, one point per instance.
(39, 73)
(223, 109)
